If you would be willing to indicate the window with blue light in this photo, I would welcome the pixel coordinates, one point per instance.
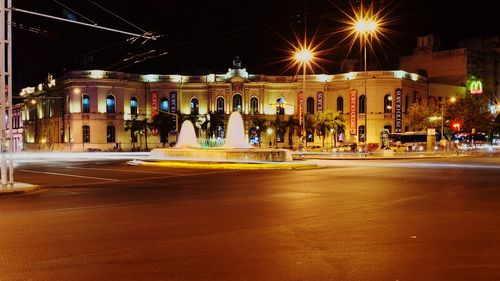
(110, 104)
(194, 106)
(85, 104)
(164, 104)
(133, 106)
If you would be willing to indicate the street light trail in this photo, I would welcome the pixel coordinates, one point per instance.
(67, 175)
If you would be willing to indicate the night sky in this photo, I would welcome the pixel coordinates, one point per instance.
(204, 36)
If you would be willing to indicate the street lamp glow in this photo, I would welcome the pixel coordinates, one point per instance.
(269, 131)
(304, 56)
(366, 25)
(453, 99)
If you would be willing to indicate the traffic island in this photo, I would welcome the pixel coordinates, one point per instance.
(17, 188)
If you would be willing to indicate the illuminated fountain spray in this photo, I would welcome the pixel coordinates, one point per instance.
(187, 136)
(235, 136)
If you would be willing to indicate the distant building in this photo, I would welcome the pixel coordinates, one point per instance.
(90, 110)
(476, 62)
(17, 127)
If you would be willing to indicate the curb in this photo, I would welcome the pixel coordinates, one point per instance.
(6, 191)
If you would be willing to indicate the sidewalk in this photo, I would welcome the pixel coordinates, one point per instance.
(17, 188)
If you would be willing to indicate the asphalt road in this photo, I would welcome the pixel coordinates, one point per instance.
(353, 220)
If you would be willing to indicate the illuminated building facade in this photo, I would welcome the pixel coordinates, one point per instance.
(92, 110)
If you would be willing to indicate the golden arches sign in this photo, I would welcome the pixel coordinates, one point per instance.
(476, 87)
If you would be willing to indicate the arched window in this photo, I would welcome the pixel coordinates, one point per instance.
(237, 103)
(133, 106)
(361, 131)
(86, 133)
(254, 105)
(362, 104)
(164, 104)
(388, 103)
(110, 104)
(85, 104)
(194, 106)
(110, 134)
(340, 104)
(280, 106)
(310, 105)
(220, 105)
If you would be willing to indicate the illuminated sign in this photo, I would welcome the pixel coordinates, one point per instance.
(154, 103)
(476, 87)
(398, 117)
(320, 101)
(353, 114)
(173, 102)
(300, 101)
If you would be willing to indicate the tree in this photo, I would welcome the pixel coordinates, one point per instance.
(310, 125)
(471, 112)
(292, 124)
(136, 126)
(260, 124)
(418, 117)
(164, 123)
(328, 121)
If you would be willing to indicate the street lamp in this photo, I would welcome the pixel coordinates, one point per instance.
(303, 56)
(364, 27)
(452, 100)
(269, 132)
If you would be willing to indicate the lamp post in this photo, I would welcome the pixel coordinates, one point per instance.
(452, 100)
(364, 27)
(303, 56)
(269, 132)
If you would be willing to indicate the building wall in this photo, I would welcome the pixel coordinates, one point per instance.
(268, 89)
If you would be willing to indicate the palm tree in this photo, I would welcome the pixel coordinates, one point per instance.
(165, 124)
(135, 126)
(310, 125)
(260, 124)
(328, 121)
(291, 124)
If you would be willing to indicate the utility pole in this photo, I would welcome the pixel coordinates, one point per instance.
(6, 173)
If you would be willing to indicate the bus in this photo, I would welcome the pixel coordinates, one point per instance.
(413, 141)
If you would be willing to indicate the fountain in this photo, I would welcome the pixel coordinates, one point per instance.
(235, 148)
(187, 136)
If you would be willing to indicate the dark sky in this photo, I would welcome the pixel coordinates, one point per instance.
(204, 36)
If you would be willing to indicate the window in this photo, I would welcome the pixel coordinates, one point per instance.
(237, 102)
(220, 105)
(85, 104)
(406, 104)
(361, 130)
(280, 106)
(110, 104)
(254, 105)
(194, 106)
(362, 104)
(310, 105)
(340, 104)
(388, 103)
(164, 104)
(133, 106)
(110, 134)
(86, 133)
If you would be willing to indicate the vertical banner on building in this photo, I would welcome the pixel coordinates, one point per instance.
(353, 112)
(154, 104)
(398, 117)
(320, 101)
(173, 102)
(300, 102)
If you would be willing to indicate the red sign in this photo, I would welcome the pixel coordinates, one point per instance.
(320, 101)
(154, 104)
(301, 100)
(353, 113)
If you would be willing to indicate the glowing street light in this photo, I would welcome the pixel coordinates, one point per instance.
(303, 56)
(269, 132)
(365, 26)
